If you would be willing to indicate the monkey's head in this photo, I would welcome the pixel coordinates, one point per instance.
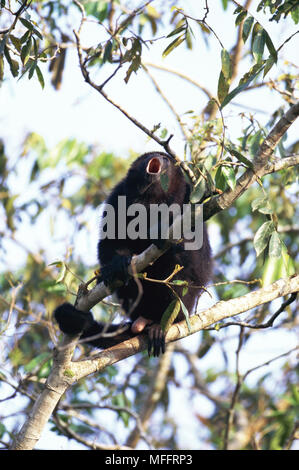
(156, 175)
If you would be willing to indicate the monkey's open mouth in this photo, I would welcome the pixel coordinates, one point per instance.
(154, 166)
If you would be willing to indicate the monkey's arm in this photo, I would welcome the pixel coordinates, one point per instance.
(114, 265)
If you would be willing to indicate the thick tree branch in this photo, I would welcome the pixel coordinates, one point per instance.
(57, 383)
(220, 311)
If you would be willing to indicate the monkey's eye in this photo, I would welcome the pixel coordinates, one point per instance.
(154, 166)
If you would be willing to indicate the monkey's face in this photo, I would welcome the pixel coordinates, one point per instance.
(155, 178)
(156, 168)
(156, 165)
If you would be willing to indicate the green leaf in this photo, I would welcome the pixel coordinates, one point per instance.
(35, 48)
(177, 31)
(198, 191)
(240, 157)
(259, 45)
(223, 87)
(229, 176)
(13, 64)
(244, 82)
(226, 64)
(27, 23)
(32, 69)
(25, 52)
(134, 66)
(40, 76)
(255, 141)
(262, 204)
(36, 361)
(247, 28)
(238, 9)
(38, 33)
(173, 45)
(224, 4)
(240, 17)
(275, 247)
(16, 42)
(59, 264)
(185, 291)
(179, 282)
(262, 236)
(122, 401)
(268, 66)
(99, 9)
(186, 313)
(108, 52)
(170, 314)
(270, 46)
(219, 179)
(25, 36)
(295, 15)
(277, 268)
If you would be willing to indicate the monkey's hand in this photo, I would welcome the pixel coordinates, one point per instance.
(117, 270)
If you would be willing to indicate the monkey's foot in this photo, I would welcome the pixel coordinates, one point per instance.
(139, 324)
(156, 340)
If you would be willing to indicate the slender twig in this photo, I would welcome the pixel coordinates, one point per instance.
(204, 22)
(231, 411)
(261, 326)
(151, 134)
(181, 75)
(262, 165)
(68, 431)
(186, 135)
(18, 13)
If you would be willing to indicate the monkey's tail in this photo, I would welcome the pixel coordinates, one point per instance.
(72, 321)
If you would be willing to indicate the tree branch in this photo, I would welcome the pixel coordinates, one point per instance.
(65, 373)
(261, 165)
(57, 383)
(151, 134)
(220, 311)
(152, 396)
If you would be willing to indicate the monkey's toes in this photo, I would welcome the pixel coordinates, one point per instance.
(156, 340)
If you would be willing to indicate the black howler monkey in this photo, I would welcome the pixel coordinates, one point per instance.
(144, 302)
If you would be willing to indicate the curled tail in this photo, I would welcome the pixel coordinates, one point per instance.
(73, 321)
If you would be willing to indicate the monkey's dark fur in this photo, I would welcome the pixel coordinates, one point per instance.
(143, 185)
